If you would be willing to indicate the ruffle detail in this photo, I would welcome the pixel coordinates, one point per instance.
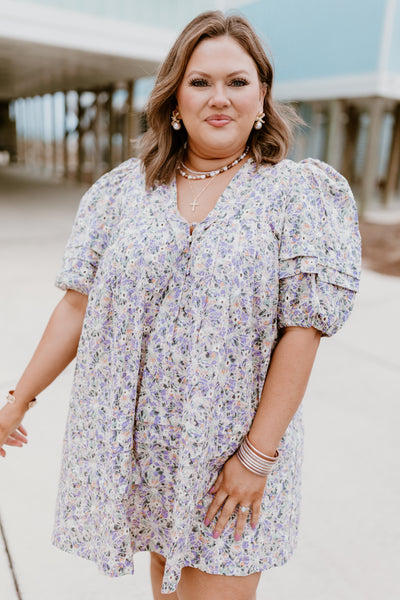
(320, 233)
(303, 264)
(308, 301)
(320, 250)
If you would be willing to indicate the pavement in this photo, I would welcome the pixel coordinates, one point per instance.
(349, 544)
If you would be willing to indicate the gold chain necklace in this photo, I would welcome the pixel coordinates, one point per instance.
(197, 196)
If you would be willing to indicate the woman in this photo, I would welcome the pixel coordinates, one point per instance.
(198, 281)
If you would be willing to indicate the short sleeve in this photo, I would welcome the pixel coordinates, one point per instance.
(98, 212)
(320, 250)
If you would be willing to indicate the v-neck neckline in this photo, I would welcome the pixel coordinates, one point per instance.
(220, 203)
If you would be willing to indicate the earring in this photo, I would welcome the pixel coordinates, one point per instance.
(175, 120)
(258, 123)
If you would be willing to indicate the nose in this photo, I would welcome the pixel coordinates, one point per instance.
(219, 97)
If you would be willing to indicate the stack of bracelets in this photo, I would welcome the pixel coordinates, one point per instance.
(254, 460)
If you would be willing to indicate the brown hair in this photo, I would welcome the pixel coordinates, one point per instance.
(162, 147)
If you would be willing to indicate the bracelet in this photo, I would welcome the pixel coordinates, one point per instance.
(254, 460)
(12, 399)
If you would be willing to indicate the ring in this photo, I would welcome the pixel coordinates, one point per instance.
(244, 509)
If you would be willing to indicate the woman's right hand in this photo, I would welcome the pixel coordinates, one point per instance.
(12, 433)
(55, 351)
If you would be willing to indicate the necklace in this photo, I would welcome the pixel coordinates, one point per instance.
(195, 197)
(185, 171)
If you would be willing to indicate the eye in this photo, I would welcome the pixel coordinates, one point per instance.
(239, 82)
(198, 82)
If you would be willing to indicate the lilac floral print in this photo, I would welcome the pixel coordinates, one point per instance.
(174, 352)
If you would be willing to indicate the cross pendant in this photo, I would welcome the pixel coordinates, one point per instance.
(194, 204)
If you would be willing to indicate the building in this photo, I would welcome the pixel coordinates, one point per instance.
(340, 63)
(69, 77)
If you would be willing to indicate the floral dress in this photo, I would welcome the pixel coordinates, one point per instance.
(174, 351)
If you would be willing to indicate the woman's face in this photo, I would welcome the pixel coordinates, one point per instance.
(219, 98)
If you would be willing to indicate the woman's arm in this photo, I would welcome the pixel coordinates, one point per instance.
(284, 388)
(54, 352)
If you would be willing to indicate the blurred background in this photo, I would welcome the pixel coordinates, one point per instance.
(75, 76)
(74, 79)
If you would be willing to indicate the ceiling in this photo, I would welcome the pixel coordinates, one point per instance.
(29, 68)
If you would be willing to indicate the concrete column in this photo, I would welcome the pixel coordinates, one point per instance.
(46, 145)
(65, 141)
(97, 139)
(24, 130)
(47, 150)
(28, 144)
(109, 110)
(134, 130)
(32, 133)
(30, 116)
(19, 121)
(300, 148)
(40, 132)
(394, 160)
(332, 149)
(8, 137)
(128, 132)
(370, 169)
(54, 133)
(350, 143)
(80, 157)
(36, 133)
(316, 143)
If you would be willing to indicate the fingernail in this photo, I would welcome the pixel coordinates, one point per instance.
(212, 490)
(207, 522)
(215, 535)
(253, 525)
(237, 537)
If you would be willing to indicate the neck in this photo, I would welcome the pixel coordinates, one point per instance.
(202, 163)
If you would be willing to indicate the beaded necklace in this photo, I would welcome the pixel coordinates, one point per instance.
(196, 175)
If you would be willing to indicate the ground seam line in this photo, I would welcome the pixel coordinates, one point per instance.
(10, 562)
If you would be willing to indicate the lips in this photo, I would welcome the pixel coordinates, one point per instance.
(218, 120)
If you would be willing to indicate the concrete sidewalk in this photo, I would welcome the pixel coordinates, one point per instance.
(349, 545)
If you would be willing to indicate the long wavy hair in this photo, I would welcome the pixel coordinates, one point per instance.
(162, 148)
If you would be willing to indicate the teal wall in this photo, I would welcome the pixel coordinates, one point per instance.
(172, 14)
(394, 56)
(321, 38)
(308, 38)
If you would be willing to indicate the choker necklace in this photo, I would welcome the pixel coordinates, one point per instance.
(205, 174)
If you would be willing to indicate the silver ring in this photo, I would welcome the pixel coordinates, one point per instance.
(244, 509)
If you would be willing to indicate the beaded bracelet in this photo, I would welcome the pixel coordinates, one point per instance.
(12, 399)
(254, 460)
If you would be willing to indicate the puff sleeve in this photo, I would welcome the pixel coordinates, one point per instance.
(98, 212)
(320, 250)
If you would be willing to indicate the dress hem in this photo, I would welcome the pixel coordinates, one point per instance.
(265, 565)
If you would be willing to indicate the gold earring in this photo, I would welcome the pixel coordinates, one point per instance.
(258, 123)
(175, 120)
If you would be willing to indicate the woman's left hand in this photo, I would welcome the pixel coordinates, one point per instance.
(235, 485)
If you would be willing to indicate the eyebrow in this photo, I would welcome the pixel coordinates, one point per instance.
(242, 71)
